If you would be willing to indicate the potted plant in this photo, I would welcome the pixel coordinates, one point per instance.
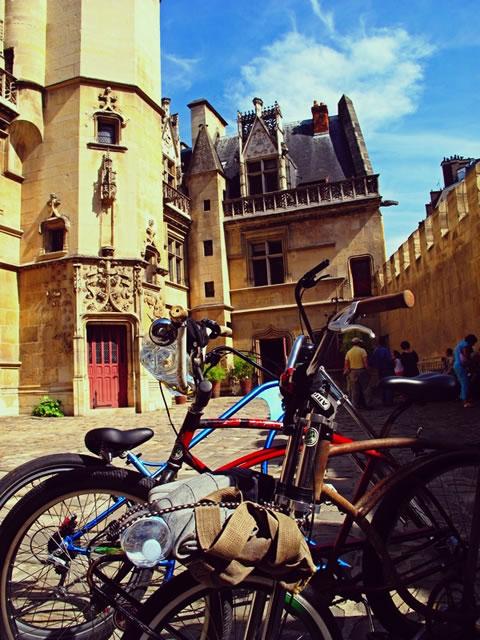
(216, 375)
(243, 371)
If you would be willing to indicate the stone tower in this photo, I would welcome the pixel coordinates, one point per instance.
(81, 201)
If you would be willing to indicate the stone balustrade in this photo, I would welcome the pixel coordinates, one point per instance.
(8, 87)
(314, 195)
(177, 198)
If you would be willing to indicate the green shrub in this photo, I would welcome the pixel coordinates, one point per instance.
(215, 374)
(48, 408)
(242, 370)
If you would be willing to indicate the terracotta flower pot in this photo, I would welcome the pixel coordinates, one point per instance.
(216, 385)
(245, 386)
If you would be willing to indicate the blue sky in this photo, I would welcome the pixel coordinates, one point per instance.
(411, 68)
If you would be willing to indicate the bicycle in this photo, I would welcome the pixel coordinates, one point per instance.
(408, 495)
(347, 319)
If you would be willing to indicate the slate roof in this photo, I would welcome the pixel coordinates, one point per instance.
(321, 157)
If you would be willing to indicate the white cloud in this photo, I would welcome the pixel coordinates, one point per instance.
(178, 71)
(325, 16)
(381, 72)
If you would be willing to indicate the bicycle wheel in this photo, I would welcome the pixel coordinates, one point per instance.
(43, 587)
(16, 483)
(183, 608)
(429, 554)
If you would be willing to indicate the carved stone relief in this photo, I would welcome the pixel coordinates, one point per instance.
(155, 304)
(108, 286)
(259, 143)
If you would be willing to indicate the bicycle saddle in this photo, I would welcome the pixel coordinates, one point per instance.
(115, 441)
(427, 387)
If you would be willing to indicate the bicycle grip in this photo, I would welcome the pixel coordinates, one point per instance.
(203, 395)
(225, 331)
(401, 300)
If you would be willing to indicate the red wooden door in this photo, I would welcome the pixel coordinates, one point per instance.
(107, 365)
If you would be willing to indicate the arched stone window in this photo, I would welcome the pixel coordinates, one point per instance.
(108, 124)
(55, 230)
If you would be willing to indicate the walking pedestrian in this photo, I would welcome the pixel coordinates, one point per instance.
(461, 366)
(383, 362)
(409, 360)
(356, 367)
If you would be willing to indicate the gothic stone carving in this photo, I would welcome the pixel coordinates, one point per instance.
(108, 286)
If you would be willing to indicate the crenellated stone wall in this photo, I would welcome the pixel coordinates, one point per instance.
(440, 263)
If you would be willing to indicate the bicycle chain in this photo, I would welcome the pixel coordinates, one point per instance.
(119, 526)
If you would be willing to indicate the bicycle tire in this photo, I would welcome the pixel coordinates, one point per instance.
(183, 603)
(442, 494)
(16, 483)
(45, 597)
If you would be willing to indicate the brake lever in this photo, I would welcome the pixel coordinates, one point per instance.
(309, 284)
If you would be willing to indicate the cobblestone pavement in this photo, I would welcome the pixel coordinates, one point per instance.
(26, 437)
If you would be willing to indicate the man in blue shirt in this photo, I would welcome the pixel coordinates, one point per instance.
(382, 361)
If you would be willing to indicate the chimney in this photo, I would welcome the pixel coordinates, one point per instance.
(451, 166)
(258, 104)
(166, 106)
(320, 118)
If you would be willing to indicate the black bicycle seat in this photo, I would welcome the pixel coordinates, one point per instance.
(115, 441)
(427, 387)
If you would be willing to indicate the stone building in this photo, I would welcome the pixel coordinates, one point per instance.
(88, 253)
(269, 203)
(440, 263)
(97, 232)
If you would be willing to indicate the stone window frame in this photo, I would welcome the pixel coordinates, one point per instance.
(357, 291)
(268, 258)
(111, 119)
(176, 259)
(50, 228)
(208, 248)
(209, 289)
(169, 171)
(262, 173)
(152, 260)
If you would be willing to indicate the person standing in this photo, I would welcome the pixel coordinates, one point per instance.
(461, 365)
(409, 360)
(397, 363)
(356, 367)
(447, 362)
(383, 362)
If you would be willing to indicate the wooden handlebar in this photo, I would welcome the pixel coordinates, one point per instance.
(401, 300)
(225, 331)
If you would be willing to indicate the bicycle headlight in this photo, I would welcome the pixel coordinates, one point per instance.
(163, 332)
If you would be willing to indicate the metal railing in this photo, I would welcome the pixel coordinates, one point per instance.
(8, 87)
(322, 193)
(178, 199)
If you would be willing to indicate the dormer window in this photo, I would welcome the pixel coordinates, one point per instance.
(169, 172)
(262, 176)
